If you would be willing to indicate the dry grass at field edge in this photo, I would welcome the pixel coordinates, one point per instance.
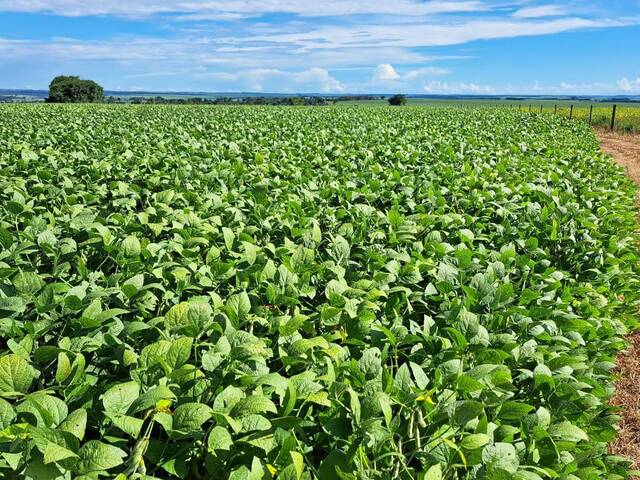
(625, 149)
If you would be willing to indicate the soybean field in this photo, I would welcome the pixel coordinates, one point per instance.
(348, 292)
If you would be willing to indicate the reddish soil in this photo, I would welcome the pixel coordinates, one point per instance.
(625, 149)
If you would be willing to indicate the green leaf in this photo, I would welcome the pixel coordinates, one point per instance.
(189, 417)
(298, 463)
(177, 315)
(47, 239)
(150, 398)
(215, 356)
(7, 414)
(370, 363)
(130, 425)
(95, 456)
(467, 410)
(253, 404)
(290, 399)
(199, 313)
(42, 437)
(75, 423)
(229, 237)
(48, 410)
(13, 459)
(64, 367)
(501, 456)
(56, 453)
(27, 283)
(38, 470)
(385, 406)
(433, 473)
(12, 304)
(419, 376)
(219, 439)
(511, 410)
(6, 239)
(133, 285)
(131, 246)
(567, 431)
(504, 294)
(237, 307)
(119, 398)
(16, 375)
(475, 441)
(179, 352)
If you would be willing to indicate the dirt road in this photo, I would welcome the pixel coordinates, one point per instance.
(625, 149)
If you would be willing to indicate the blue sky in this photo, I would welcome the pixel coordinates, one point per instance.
(332, 46)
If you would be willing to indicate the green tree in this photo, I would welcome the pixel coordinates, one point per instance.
(397, 99)
(69, 89)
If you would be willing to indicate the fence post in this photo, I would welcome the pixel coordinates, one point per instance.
(613, 116)
(540, 108)
(571, 113)
(555, 109)
(529, 107)
(590, 114)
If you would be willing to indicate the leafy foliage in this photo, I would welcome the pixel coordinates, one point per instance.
(353, 293)
(69, 89)
(397, 100)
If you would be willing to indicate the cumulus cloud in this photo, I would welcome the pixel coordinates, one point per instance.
(321, 78)
(629, 86)
(385, 73)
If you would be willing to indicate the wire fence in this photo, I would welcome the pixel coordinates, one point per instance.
(613, 117)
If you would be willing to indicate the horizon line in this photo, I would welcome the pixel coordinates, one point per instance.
(342, 94)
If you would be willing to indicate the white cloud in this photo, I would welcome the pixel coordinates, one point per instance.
(312, 80)
(540, 11)
(536, 88)
(321, 78)
(562, 88)
(430, 34)
(629, 86)
(425, 72)
(386, 76)
(214, 8)
(385, 73)
(436, 87)
(148, 55)
(247, 49)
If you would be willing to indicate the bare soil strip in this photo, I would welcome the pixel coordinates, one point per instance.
(625, 149)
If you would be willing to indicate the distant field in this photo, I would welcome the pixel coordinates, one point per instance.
(627, 114)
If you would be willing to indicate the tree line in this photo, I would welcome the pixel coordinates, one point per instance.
(73, 89)
(312, 100)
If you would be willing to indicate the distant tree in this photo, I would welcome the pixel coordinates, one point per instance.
(68, 89)
(397, 99)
